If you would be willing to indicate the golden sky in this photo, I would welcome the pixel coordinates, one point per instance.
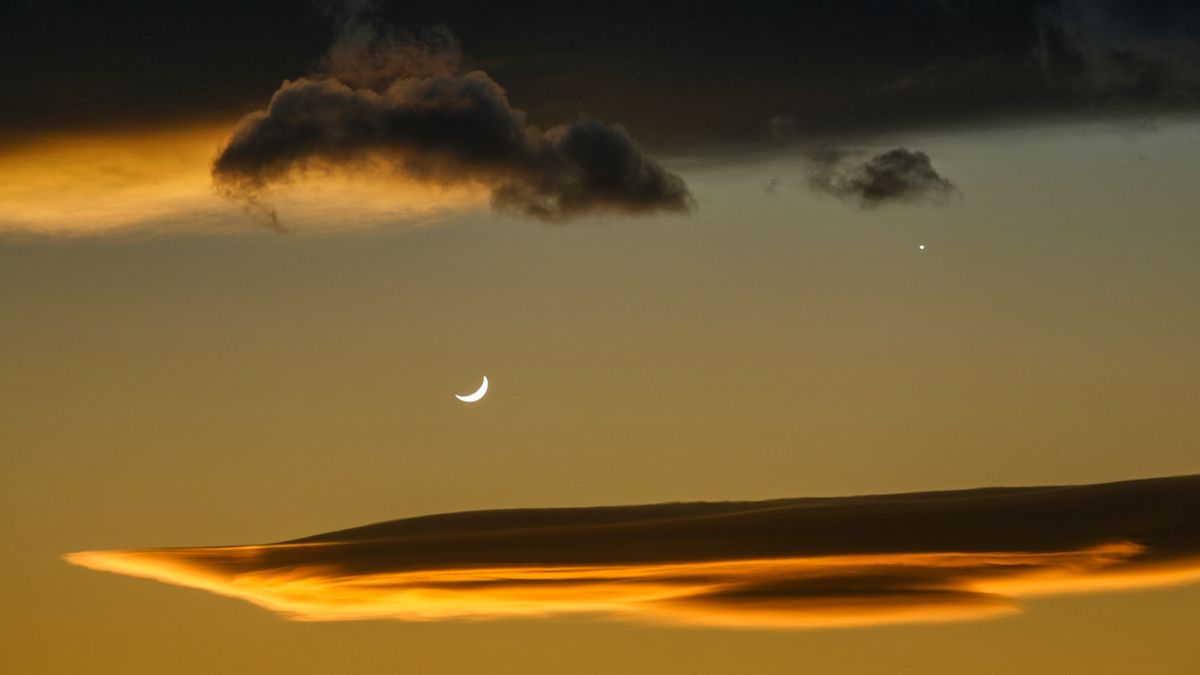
(836, 337)
(92, 184)
(185, 387)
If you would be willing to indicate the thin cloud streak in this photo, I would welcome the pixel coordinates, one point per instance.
(798, 563)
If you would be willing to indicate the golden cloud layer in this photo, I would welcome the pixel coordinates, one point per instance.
(780, 564)
(818, 591)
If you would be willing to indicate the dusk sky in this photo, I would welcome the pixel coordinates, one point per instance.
(754, 273)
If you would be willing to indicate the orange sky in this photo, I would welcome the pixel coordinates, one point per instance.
(78, 184)
(204, 388)
(883, 317)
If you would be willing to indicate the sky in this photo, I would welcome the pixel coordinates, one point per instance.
(249, 253)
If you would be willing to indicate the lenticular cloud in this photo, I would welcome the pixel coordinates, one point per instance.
(789, 563)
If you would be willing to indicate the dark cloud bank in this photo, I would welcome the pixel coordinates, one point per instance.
(410, 105)
(783, 563)
(678, 74)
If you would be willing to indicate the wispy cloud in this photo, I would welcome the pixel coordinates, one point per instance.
(778, 564)
(1121, 50)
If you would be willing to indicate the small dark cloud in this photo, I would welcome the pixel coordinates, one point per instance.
(895, 176)
(411, 105)
(784, 563)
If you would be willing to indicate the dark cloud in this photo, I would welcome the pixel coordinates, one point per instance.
(781, 563)
(1122, 50)
(410, 104)
(897, 175)
(677, 74)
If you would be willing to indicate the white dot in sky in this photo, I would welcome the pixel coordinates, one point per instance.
(921, 246)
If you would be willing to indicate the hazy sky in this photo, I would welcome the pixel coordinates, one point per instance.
(176, 372)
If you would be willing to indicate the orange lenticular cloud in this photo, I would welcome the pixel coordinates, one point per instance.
(704, 564)
(161, 181)
(823, 591)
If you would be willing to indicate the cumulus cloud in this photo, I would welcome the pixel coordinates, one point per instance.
(409, 105)
(788, 563)
(898, 175)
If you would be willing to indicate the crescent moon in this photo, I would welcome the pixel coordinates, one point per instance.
(471, 398)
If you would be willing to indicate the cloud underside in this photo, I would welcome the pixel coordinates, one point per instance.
(779, 564)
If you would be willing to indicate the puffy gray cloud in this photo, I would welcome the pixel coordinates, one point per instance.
(411, 104)
(898, 175)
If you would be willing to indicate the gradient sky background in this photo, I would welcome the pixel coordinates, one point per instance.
(205, 380)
